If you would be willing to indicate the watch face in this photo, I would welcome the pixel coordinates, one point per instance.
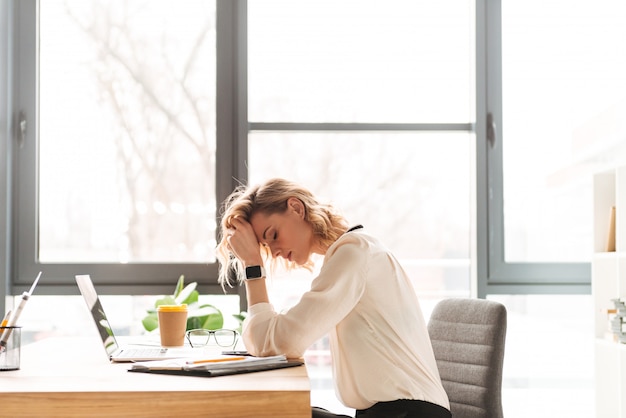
(254, 272)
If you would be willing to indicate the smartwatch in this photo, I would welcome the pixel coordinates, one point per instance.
(255, 272)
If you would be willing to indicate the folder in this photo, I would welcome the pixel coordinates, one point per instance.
(224, 371)
(218, 366)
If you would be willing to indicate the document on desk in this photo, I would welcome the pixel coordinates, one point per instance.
(215, 366)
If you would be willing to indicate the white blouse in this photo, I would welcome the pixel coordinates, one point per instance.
(379, 341)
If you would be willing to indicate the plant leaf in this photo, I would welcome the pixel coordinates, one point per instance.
(202, 310)
(165, 300)
(214, 321)
(150, 322)
(192, 298)
(179, 285)
(241, 316)
(185, 293)
(205, 316)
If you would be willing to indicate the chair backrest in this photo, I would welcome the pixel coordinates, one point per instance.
(468, 337)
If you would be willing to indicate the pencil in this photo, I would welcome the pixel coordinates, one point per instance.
(5, 321)
(216, 360)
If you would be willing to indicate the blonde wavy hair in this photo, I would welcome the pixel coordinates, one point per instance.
(270, 198)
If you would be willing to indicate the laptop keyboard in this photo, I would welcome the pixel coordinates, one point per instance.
(142, 352)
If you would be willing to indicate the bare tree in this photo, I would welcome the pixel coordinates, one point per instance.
(156, 81)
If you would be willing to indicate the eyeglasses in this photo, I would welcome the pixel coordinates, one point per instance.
(201, 337)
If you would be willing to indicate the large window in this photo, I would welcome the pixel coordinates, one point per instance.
(556, 89)
(117, 167)
(375, 116)
(481, 122)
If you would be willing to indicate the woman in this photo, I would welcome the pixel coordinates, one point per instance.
(383, 363)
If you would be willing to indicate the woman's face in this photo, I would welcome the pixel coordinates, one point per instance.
(287, 234)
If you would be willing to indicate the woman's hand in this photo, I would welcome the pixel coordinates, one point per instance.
(243, 242)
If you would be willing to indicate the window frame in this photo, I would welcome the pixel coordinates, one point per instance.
(389, 127)
(496, 276)
(490, 274)
(6, 25)
(111, 278)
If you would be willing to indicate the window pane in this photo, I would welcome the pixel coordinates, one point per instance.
(127, 131)
(360, 61)
(410, 189)
(564, 100)
(549, 361)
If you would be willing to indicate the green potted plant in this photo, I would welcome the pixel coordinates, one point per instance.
(199, 315)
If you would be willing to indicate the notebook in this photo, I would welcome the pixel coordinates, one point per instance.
(220, 371)
(130, 353)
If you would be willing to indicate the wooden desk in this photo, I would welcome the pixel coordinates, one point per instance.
(71, 377)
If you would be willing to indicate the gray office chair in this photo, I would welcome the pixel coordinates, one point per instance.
(468, 338)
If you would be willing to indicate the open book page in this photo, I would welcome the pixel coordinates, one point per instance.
(212, 363)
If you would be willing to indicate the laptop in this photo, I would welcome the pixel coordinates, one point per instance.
(130, 353)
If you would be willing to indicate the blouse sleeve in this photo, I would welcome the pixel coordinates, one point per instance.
(333, 294)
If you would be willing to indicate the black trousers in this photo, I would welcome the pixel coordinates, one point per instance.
(402, 408)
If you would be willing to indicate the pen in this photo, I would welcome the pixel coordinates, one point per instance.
(13, 320)
(216, 360)
(236, 353)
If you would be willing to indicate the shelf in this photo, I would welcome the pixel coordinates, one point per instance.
(603, 342)
(608, 282)
(610, 254)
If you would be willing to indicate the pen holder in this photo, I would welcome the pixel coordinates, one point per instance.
(10, 353)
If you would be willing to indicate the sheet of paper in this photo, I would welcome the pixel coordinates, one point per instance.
(212, 363)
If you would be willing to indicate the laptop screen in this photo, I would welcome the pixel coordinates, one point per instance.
(97, 312)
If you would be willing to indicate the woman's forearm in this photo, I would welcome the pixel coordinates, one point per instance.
(256, 291)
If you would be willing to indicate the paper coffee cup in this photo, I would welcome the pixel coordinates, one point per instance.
(172, 324)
